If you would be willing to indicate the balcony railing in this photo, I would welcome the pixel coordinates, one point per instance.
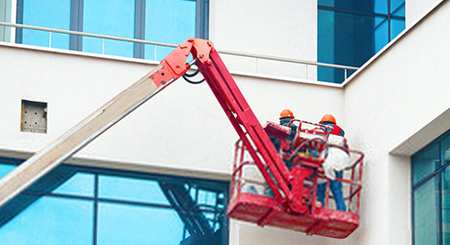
(255, 63)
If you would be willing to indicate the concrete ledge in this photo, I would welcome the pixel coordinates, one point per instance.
(126, 166)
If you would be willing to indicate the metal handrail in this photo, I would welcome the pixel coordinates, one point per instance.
(242, 54)
(87, 34)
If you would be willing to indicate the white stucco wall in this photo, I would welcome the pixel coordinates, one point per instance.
(416, 9)
(387, 104)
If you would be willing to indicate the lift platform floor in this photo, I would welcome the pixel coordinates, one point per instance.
(265, 210)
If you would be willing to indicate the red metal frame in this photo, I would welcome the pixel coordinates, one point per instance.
(324, 221)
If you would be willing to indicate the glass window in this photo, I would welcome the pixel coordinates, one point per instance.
(79, 184)
(170, 21)
(127, 224)
(425, 163)
(397, 26)
(51, 221)
(397, 4)
(350, 32)
(79, 205)
(112, 18)
(381, 33)
(5, 169)
(131, 189)
(431, 193)
(45, 13)
(446, 206)
(426, 205)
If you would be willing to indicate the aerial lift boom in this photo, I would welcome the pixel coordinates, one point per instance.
(282, 181)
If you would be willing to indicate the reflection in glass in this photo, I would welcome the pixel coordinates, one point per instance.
(5, 169)
(170, 21)
(381, 33)
(351, 32)
(79, 184)
(46, 13)
(426, 208)
(113, 18)
(73, 205)
(51, 221)
(126, 224)
(131, 189)
(446, 206)
(397, 27)
(425, 163)
(396, 4)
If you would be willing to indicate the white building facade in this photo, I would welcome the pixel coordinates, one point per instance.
(282, 54)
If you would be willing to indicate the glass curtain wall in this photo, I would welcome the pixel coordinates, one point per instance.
(431, 193)
(73, 205)
(5, 16)
(350, 32)
(168, 21)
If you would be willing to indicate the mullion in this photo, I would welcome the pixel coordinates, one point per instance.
(95, 225)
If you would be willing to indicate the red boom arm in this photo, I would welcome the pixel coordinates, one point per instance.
(237, 110)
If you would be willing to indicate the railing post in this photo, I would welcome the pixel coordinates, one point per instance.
(345, 74)
(306, 71)
(103, 45)
(154, 58)
(49, 39)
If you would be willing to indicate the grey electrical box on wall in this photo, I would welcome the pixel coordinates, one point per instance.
(34, 117)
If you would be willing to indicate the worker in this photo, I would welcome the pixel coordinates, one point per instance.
(334, 163)
(286, 116)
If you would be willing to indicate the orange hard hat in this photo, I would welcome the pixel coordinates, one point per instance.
(286, 113)
(328, 118)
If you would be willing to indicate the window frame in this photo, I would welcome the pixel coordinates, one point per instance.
(66, 171)
(426, 179)
(76, 23)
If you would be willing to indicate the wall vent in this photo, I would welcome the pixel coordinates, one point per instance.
(34, 117)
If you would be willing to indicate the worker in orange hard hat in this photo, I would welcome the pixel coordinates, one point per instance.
(286, 113)
(285, 118)
(330, 120)
(336, 136)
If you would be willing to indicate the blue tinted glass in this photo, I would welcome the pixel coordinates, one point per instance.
(325, 36)
(397, 26)
(131, 189)
(80, 184)
(425, 163)
(124, 224)
(380, 6)
(330, 74)
(328, 3)
(396, 4)
(426, 219)
(5, 169)
(399, 12)
(113, 18)
(46, 13)
(445, 150)
(446, 204)
(51, 221)
(381, 34)
(170, 21)
(366, 6)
